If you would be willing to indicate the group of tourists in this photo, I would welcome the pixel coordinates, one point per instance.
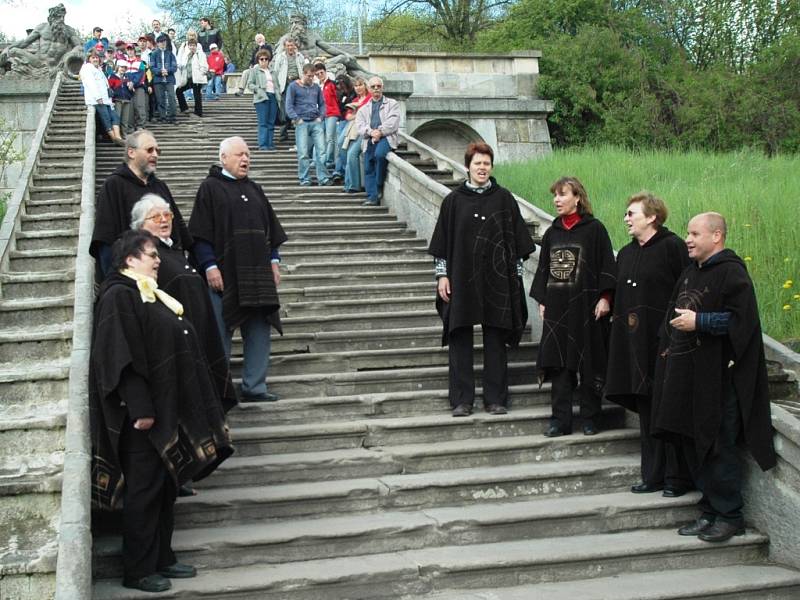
(171, 293)
(669, 329)
(132, 82)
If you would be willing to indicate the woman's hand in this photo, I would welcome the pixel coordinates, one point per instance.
(541, 312)
(443, 288)
(601, 309)
(144, 424)
(276, 273)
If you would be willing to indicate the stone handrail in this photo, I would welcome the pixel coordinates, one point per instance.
(11, 220)
(74, 566)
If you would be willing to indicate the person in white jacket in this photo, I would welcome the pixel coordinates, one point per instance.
(193, 67)
(96, 93)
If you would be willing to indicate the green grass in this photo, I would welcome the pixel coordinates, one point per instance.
(758, 196)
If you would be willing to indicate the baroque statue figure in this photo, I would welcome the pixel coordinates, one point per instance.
(50, 47)
(311, 45)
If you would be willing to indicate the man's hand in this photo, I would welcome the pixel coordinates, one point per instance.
(443, 288)
(276, 273)
(144, 424)
(541, 312)
(376, 135)
(601, 309)
(685, 321)
(214, 278)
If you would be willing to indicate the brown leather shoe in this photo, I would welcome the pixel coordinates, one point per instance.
(721, 531)
(696, 528)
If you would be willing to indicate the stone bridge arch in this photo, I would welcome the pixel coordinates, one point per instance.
(448, 136)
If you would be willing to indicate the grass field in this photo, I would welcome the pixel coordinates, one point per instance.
(758, 196)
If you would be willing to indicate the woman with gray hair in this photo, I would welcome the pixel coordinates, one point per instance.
(180, 279)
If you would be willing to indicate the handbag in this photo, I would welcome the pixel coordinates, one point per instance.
(350, 134)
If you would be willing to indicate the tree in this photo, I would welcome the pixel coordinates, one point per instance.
(457, 22)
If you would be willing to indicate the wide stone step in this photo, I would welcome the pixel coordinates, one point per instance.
(238, 505)
(405, 242)
(299, 309)
(69, 203)
(375, 461)
(26, 386)
(356, 293)
(282, 541)
(733, 582)
(369, 406)
(42, 260)
(424, 429)
(42, 343)
(34, 312)
(348, 265)
(497, 565)
(36, 285)
(51, 192)
(29, 538)
(355, 277)
(382, 380)
(333, 235)
(58, 219)
(362, 360)
(32, 454)
(42, 240)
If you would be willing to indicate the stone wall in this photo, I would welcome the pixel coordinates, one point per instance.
(22, 104)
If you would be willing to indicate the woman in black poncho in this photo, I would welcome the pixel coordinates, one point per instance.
(573, 285)
(479, 243)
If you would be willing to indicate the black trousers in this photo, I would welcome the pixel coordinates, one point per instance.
(462, 370)
(662, 462)
(719, 476)
(148, 510)
(564, 383)
(198, 97)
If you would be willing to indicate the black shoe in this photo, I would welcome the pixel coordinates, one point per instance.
(721, 531)
(496, 409)
(646, 488)
(589, 429)
(671, 491)
(265, 397)
(369, 202)
(697, 527)
(178, 571)
(462, 410)
(152, 583)
(186, 490)
(555, 431)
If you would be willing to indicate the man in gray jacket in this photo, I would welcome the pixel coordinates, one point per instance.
(377, 123)
(286, 68)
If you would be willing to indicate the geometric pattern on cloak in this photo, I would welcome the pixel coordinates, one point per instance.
(490, 241)
(685, 344)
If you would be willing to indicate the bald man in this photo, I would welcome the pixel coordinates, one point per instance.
(710, 390)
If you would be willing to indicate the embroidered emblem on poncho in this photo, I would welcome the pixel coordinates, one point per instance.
(562, 263)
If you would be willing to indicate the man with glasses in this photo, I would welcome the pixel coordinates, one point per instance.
(377, 123)
(121, 190)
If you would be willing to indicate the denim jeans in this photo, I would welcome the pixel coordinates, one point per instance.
(108, 117)
(310, 136)
(214, 87)
(341, 153)
(331, 129)
(256, 343)
(165, 97)
(352, 172)
(266, 112)
(375, 167)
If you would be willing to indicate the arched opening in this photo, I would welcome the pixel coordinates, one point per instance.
(448, 136)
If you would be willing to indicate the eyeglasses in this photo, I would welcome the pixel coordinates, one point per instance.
(162, 216)
(377, 86)
(153, 150)
(263, 59)
(154, 254)
(630, 213)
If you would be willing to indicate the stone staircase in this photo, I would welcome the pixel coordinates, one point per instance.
(358, 483)
(36, 306)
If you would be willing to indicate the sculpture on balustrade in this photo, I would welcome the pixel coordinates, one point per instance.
(313, 47)
(49, 48)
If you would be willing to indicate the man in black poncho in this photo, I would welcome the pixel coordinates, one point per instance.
(710, 388)
(479, 243)
(237, 238)
(124, 188)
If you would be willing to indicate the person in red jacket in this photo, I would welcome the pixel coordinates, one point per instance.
(216, 65)
(333, 114)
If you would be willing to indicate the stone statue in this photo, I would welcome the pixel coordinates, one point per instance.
(49, 47)
(310, 44)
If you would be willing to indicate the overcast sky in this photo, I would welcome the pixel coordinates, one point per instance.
(119, 18)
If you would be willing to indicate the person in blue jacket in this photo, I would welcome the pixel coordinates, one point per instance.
(163, 64)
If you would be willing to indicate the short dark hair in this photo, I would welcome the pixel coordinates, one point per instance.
(308, 68)
(477, 148)
(584, 206)
(130, 243)
(262, 53)
(207, 20)
(172, 29)
(320, 66)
